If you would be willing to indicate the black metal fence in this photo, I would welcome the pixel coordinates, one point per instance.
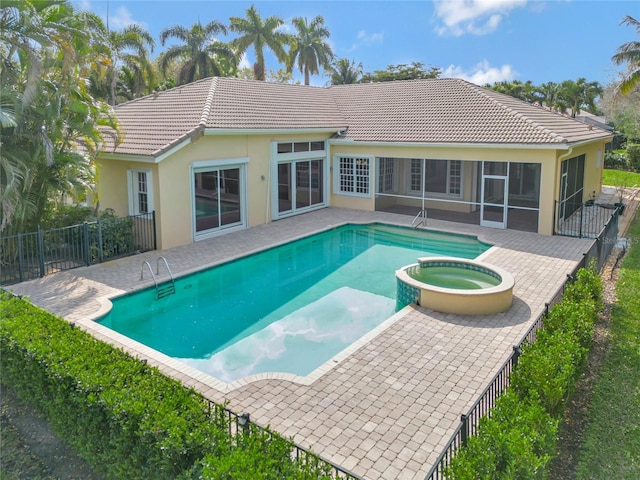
(582, 219)
(32, 255)
(469, 422)
(605, 241)
(313, 463)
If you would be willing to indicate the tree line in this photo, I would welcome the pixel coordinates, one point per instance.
(62, 69)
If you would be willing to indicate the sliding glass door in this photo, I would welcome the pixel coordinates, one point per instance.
(217, 199)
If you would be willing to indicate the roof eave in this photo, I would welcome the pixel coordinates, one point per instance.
(273, 131)
(533, 146)
(127, 157)
(538, 146)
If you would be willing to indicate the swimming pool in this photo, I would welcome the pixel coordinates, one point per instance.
(286, 309)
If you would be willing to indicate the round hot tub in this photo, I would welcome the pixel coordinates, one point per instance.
(454, 285)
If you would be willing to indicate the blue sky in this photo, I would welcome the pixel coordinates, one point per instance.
(482, 41)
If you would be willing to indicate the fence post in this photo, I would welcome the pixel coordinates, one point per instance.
(155, 239)
(87, 256)
(244, 421)
(463, 431)
(517, 351)
(20, 265)
(581, 218)
(100, 252)
(41, 251)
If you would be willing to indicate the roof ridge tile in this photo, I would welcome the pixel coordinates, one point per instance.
(208, 102)
(485, 93)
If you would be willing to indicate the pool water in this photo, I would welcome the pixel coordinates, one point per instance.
(286, 309)
(452, 277)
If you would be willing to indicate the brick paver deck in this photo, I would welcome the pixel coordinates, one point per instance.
(385, 407)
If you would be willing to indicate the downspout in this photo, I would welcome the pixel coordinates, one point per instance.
(267, 211)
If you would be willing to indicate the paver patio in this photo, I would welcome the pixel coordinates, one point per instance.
(385, 407)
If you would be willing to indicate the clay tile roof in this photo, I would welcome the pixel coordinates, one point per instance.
(248, 104)
(423, 111)
(451, 111)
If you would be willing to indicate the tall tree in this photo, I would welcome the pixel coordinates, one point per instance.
(525, 91)
(345, 72)
(622, 110)
(309, 47)
(414, 71)
(578, 95)
(258, 33)
(129, 49)
(45, 117)
(629, 53)
(549, 94)
(201, 55)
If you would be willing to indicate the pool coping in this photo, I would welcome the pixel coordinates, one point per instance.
(178, 365)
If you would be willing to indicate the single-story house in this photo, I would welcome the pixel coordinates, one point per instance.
(222, 154)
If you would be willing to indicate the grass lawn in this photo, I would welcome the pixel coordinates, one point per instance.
(16, 459)
(611, 448)
(620, 178)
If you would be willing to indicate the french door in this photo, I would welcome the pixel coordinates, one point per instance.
(300, 185)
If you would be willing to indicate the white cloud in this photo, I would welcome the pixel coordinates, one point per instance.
(370, 38)
(482, 73)
(477, 17)
(122, 18)
(83, 5)
(365, 39)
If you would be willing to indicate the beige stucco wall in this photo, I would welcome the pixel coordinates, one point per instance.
(545, 157)
(172, 177)
(172, 181)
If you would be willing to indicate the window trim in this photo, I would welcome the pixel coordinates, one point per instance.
(336, 175)
(133, 191)
(224, 164)
(293, 158)
(448, 180)
(382, 175)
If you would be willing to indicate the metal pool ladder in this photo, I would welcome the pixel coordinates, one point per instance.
(162, 289)
(420, 219)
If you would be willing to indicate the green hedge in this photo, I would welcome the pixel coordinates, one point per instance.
(126, 418)
(519, 439)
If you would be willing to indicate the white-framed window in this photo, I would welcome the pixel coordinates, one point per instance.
(442, 177)
(299, 177)
(300, 146)
(218, 196)
(387, 175)
(140, 191)
(352, 175)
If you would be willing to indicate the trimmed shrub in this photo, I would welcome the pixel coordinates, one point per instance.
(518, 440)
(127, 419)
(615, 160)
(548, 369)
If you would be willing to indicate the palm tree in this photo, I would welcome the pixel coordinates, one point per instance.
(132, 38)
(44, 116)
(345, 72)
(201, 55)
(260, 34)
(629, 53)
(549, 94)
(309, 48)
(576, 95)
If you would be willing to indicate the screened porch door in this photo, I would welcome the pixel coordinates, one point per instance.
(493, 208)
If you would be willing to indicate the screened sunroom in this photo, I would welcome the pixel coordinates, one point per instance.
(486, 193)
